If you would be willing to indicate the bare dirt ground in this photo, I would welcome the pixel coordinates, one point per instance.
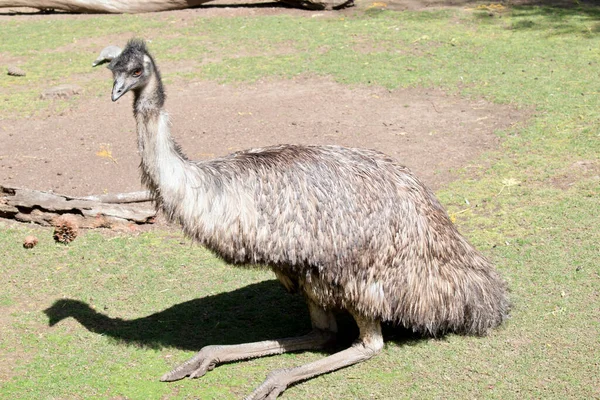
(91, 148)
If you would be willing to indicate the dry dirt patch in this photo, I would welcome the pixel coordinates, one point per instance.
(91, 149)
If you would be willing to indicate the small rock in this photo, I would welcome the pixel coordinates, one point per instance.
(15, 71)
(61, 91)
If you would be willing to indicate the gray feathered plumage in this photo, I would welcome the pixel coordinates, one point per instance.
(348, 228)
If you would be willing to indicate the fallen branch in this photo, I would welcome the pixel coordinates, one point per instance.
(105, 6)
(144, 6)
(27, 205)
(133, 197)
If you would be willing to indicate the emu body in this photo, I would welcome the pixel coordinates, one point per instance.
(349, 229)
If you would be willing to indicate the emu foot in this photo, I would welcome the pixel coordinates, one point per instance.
(206, 360)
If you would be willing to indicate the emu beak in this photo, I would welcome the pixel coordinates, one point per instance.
(119, 89)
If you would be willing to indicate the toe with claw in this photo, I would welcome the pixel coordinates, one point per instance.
(195, 367)
(273, 386)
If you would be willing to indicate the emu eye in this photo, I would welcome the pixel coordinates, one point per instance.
(137, 72)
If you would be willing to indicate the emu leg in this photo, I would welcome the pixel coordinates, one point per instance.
(369, 343)
(322, 335)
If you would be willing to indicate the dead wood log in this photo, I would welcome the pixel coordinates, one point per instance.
(121, 198)
(27, 205)
(104, 6)
(144, 6)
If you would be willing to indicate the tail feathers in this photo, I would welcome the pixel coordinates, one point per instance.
(473, 305)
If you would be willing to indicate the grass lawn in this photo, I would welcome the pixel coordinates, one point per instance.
(144, 303)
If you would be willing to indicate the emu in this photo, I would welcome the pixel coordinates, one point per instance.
(349, 229)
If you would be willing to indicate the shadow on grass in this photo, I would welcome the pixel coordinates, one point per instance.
(256, 312)
(558, 20)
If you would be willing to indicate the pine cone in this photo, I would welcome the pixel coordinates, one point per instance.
(30, 242)
(15, 71)
(65, 229)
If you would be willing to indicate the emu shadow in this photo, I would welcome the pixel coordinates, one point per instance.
(253, 313)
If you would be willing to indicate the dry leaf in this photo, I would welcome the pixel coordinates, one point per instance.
(105, 152)
(510, 182)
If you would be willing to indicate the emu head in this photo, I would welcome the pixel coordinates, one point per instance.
(132, 69)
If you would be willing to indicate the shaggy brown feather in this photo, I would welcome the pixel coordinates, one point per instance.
(349, 228)
(354, 230)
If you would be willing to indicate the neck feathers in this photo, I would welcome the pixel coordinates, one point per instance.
(163, 166)
(187, 193)
(150, 99)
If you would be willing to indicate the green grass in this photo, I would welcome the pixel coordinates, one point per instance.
(154, 299)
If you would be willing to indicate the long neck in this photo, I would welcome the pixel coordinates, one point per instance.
(194, 196)
(164, 167)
